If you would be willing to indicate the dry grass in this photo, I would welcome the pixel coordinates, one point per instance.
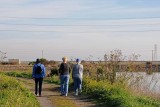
(61, 101)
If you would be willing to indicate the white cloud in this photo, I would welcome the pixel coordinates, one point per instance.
(13, 2)
(92, 26)
(48, 9)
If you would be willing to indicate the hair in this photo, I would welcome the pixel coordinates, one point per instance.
(38, 60)
(64, 59)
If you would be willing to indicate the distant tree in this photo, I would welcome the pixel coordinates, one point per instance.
(44, 61)
(32, 63)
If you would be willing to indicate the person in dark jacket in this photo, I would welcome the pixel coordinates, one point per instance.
(38, 74)
(64, 73)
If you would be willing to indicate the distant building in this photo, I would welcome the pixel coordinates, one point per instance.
(14, 61)
(25, 62)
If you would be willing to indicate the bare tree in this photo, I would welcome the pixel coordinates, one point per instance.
(112, 61)
(3, 55)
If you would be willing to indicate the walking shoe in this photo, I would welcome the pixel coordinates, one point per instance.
(76, 94)
(66, 95)
(61, 94)
(80, 92)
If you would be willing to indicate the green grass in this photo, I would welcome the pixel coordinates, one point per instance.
(116, 95)
(18, 74)
(53, 79)
(15, 94)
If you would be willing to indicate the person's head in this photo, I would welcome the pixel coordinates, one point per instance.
(78, 60)
(64, 59)
(38, 61)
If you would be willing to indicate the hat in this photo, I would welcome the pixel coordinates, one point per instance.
(77, 60)
(38, 60)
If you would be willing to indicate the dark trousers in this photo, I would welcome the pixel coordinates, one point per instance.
(38, 81)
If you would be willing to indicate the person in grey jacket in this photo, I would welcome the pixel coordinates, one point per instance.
(77, 75)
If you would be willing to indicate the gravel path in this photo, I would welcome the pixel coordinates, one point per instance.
(51, 96)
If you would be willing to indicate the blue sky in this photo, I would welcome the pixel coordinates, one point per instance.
(78, 28)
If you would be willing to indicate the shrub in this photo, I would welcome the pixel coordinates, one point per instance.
(54, 71)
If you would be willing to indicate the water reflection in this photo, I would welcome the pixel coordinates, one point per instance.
(142, 80)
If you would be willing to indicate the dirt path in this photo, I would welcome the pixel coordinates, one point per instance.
(51, 96)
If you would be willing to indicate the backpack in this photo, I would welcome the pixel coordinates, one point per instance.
(38, 70)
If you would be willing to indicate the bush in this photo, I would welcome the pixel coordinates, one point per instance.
(54, 71)
(53, 79)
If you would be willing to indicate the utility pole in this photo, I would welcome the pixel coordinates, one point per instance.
(42, 54)
(155, 52)
(152, 55)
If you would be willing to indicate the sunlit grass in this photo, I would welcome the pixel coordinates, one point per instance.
(15, 94)
(62, 101)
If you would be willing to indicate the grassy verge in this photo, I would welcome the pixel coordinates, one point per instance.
(116, 95)
(14, 94)
(18, 74)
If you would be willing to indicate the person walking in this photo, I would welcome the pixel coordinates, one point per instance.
(38, 74)
(77, 75)
(64, 74)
